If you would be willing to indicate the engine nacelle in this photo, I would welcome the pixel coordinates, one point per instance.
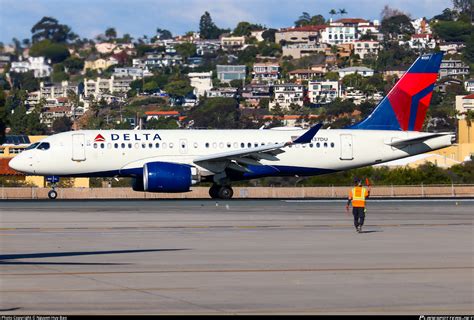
(164, 177)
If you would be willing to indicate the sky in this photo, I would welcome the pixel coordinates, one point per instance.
(89, 18)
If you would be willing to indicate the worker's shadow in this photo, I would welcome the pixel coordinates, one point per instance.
(12, 259)
(371, 231)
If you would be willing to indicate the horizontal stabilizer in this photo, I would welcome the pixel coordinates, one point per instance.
(405, 142)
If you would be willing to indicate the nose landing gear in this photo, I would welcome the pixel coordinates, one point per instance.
(53, 180)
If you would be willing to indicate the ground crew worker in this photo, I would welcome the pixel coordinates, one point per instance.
(357, 196)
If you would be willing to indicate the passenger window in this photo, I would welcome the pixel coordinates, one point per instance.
(221, 145)
(229, 145)
(195, 145)
(164, 145)
(249, 145)
(95, 146)
(150, 145)
(116, 146)
(130, 146)
(123, 145)
(318, 145)
(143, 145)
(332, 144)
(310, 145)
(109, 146)
(157, 145)
(242, 145)
(325, 144)
(236, 145)
(171, 145)
(207, 144)
(214, 145)
(102, 145)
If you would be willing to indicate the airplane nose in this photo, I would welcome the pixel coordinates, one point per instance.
(19, 163)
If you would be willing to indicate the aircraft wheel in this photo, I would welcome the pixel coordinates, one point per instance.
(52, 194)
(226, 192)
(214, 191)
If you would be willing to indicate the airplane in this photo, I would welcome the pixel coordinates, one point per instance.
(172, 161)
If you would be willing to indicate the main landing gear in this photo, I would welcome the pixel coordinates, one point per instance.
(221, 192)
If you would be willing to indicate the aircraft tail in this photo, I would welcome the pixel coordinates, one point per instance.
(404, 107)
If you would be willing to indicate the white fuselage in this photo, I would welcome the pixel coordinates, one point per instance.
(124, 152)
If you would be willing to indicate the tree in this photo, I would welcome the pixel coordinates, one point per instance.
(207, 28)
(179, 88)
(163, 34)
(395, 25)
(161, 123)
(62, 124)
(216, 113)
(463, 6)
(56, 52)
(303, 20)
(332, 12)
(186, 49)
(24, 81)
(388, 12)
(447, 15)
(48, 28)
(23, 123)
(342, 12)
(453, 30)
(245, 28)
(110, 33)
(269, 35)
(73, 64)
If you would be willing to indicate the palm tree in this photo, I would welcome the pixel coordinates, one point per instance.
(342, 12)
(469, 116)
(332, 12)
(303, 20)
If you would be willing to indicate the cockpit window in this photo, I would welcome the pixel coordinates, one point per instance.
(43, 146)
(32, 146)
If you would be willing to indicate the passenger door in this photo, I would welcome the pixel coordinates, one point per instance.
(346, 147)
(78, 147)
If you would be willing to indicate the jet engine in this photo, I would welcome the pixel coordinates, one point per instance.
(165, 177)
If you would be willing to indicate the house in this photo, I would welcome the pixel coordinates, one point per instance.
(201, 81)
(204, 47)
(451, 67)
(159, 60)
(298, 50)
(4, 61)
(451, 47)
(301, 75)
(363, 71)
(464, 104)
(113, 86)
(443, 84)
(421, 26)
(99, 64)
(253, 93)
(228, 92)
(394, 71)
(420, 41)
(50, 114)
(36, 64)
(107, 47)
(300, 35)
(286, 94)
(257, 34)
(265, 72)
(229, 43)
(366, 48)
(292, 120)
(138, 73)
(323, 92)
(337, 33)
(469, 85)
(194, 62)
(227, 73)
(161, 114)
(56, 90)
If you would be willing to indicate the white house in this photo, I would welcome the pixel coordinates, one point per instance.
(323, 92)
(132, 72)
(469, 85)
(36, 64)
(464, 103)
(363, 71)
(266, 72)
(201, 81)
(420, 41)
(366, 48)
(286, 94)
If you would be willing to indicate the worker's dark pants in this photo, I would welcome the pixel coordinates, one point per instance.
(359, 216)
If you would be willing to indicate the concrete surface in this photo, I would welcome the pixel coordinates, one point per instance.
(235, 257)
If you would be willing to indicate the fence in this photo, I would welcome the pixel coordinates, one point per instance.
(414, 191)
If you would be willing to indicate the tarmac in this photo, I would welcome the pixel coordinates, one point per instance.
(236, 257)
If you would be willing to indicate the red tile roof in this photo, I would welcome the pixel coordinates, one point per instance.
(471, 96)
(351, 20)
(5, 170)
(305, 28)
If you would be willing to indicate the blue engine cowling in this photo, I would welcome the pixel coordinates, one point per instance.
(166, 177)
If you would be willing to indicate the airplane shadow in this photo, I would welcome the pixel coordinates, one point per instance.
(69, 254)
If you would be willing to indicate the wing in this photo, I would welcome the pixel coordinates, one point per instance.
(239, 159)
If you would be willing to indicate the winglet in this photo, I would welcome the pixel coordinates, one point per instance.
(308, 135)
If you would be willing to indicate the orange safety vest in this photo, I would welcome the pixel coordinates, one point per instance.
(358, 195)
